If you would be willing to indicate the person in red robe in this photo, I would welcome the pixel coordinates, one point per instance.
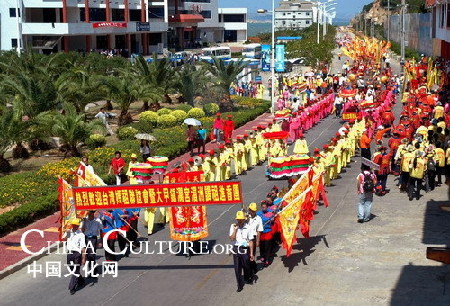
(228, 127)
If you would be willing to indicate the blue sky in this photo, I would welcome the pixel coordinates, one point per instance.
(345, 9)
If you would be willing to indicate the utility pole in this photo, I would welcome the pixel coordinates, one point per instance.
(389, 20)
(318, 25)
(324, 24)
(371, 28)
(365, 25)
(402, 39)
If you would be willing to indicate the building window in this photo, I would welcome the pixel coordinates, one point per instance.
(135, 15)
(307, 21)
(97, 14)
(197, 1)
(14, 42)
(307, 13)
(155, 12)
(234, 18)
(12, 12)
(117, 15)
(206, 14)
(441, 16)
(448, 15)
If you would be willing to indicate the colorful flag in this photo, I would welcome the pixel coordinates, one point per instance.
(187, 223)
(66, 205)
(289, 220)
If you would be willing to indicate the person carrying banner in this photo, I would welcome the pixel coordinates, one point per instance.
(92, 229)
(120, 217)
(242, 237)
(133, 161)
(256, 225)
(108, 225)
(76, 256)
(266, 237)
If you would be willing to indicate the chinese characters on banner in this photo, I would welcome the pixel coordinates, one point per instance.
(67, 205)
(187, 223)
(157, 195)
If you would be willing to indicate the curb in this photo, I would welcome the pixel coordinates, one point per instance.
(24, 262)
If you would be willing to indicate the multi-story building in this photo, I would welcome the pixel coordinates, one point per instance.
(55, 25)
(440, 27)
(234, 22)
(138, 26)
(294, 15)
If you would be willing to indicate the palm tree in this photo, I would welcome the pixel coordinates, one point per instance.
(190, 82)
(69, 126)
(79, 86)
(126, 89)
(6, 138)
(33, 94)
(158, 74)
(225, 73)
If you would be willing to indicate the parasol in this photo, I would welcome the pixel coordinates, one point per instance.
(192, 121)
(145, 136)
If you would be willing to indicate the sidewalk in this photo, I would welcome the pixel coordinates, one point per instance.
(12, 258)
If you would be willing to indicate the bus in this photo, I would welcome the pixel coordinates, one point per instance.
(223, 53)
(252, 51)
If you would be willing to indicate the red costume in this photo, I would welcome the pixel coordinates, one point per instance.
(228, 128)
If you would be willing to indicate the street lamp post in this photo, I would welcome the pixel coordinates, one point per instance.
(272, 57)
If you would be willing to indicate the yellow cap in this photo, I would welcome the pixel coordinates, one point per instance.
(240, 215)
(75, 221)
(253, 206)
(133, 155)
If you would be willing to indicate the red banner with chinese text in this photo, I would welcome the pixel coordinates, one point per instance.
(157, 195)
(109, 24)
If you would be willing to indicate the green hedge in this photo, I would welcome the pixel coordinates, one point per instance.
(28, 212)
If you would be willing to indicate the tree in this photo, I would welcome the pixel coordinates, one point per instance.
(69, 126)
(190, 81)
(158, 74)
(33, 95)
(79, 86)
(224, 74)
(126, 89)
(6, 138)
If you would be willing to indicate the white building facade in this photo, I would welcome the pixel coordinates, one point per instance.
(137, 26)
(295, 15)
(63, 25)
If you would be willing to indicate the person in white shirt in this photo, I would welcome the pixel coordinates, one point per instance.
(242, 237)
(84, 166)
(92, 229)
(103, 116)
(256, 225)
(76, 256)
(338, 104)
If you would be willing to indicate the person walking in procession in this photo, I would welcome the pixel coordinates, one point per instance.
(365, 184)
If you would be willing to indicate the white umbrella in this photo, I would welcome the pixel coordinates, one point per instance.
(309, 74)
(145, 136)
(192, 121)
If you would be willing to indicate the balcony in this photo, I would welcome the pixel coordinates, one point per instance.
(81, 28)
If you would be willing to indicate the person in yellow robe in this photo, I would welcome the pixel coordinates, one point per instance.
(206, 168)
(248, 147)
(254, 158)
(133, 180)
(213, 165)
(301, 145)
(260, 144)
(239, 153)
